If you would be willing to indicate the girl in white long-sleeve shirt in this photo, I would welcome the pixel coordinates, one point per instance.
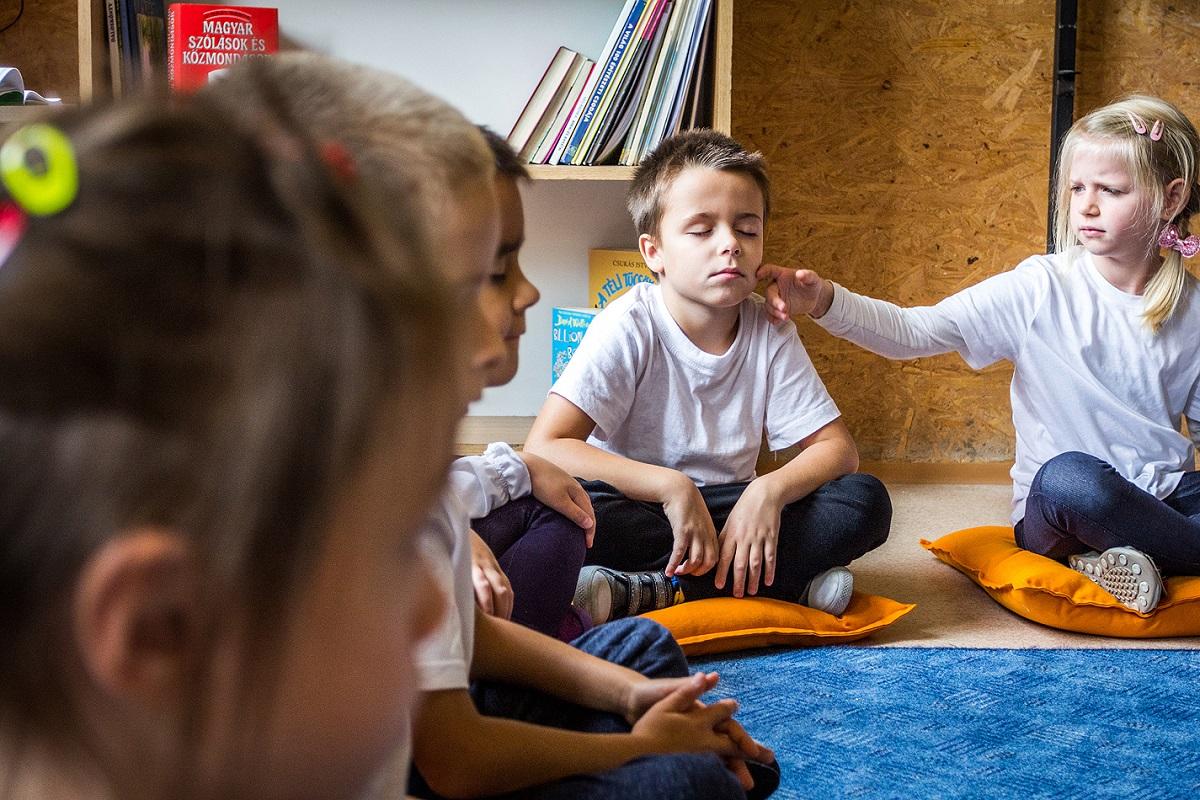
(1102, 335)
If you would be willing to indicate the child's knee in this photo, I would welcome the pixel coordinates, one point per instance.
(1077, 480)
(1066, 474)
(870, 508)
(647, 647)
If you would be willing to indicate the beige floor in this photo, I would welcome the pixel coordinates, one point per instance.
(951, 610)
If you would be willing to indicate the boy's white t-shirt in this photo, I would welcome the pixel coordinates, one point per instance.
(1089, 375)
(475, 487)
(659, 399)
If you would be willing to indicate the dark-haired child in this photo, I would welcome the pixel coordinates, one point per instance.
(505, 708)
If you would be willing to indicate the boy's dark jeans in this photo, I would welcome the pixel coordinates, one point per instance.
(1078, 502)
(832, 526)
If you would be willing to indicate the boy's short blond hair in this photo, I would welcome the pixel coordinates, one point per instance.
(407, 142)
(695, 148)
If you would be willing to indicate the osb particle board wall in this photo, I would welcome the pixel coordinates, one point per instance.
(908, 145)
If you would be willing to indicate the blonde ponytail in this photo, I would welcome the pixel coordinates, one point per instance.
(1163, 291)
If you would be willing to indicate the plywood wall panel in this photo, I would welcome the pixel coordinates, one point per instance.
(1139, 46)
(908, 149)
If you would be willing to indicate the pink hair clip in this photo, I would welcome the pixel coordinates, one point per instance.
(1169, 239)
(1139, 127)
(12, 224)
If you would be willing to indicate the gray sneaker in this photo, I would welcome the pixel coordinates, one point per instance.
(829, 591)
(608, 594)
(1127, 574)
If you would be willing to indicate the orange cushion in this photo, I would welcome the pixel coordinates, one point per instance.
(1045, 591)
(722, 624)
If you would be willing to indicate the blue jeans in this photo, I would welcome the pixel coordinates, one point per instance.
(643, 646)
(830, 527)
(1078, 502)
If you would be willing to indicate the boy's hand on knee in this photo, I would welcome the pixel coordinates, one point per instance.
(695, 539)
(794, 291)
(748, 543)
(493, 591)
(558, 490)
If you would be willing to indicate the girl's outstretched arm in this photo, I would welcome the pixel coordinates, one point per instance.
(877, 325)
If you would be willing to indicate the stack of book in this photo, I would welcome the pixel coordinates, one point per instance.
(183, 44)
(137, 43)
(647, 85)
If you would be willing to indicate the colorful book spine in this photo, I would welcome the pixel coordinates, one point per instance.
(112, 27)
(567, 327)
(634, 151)
(606, 65)
(633, 45)
(564, 136)
(542, 156)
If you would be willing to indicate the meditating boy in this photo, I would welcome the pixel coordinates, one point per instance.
(662, 410)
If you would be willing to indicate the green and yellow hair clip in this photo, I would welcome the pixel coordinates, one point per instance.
(40, 177)
(38, 169)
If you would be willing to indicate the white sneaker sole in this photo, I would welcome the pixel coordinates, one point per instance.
(830, 591)
(1127, 574)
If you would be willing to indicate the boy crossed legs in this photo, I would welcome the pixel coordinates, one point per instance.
(662, 410)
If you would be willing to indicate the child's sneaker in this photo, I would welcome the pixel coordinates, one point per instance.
(1127, 574)
(829, 591)
(608, 594)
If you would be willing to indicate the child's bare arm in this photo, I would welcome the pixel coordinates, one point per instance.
(559, 434)
(751, 533)
(462, 753)
(827, 453)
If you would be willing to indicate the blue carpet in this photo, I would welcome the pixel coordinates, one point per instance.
(861, 722)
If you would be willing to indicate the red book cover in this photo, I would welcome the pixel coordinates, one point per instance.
(202, 39)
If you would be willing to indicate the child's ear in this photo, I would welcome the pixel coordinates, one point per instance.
(136, 616)
(650, 253)
(1175, 197)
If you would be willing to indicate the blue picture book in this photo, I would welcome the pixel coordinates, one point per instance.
(567, 327)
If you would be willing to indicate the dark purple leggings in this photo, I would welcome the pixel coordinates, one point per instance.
(541, 552)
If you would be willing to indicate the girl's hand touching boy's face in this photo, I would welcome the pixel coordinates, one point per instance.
(792, 292)
(558, 490)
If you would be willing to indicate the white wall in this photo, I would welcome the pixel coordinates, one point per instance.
(486, 56)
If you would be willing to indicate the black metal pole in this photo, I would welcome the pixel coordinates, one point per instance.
(1062, 107)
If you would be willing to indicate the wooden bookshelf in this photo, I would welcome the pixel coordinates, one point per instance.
(722, 77)
(546, 172)
(60, 48)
